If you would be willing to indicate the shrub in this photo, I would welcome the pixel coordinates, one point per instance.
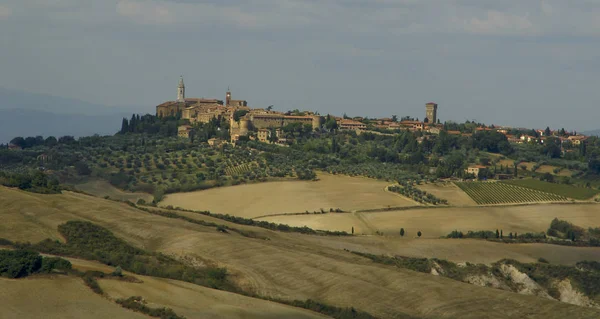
(138, 304)
(89, 241)
(91, 282)
(50, 263)
(19, 263)
(543, 260)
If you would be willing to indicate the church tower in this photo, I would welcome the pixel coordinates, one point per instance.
(431, 113)
(228, 97)
(181, 90)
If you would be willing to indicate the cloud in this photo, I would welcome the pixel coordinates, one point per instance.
(185, 14)
(5, 12)
(148, 12)
(500, 23)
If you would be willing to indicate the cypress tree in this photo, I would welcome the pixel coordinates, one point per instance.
(124, 126)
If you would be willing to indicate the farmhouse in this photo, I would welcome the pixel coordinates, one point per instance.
(577, 139)
(346, 124)
(184, 131)
(475, 169)
(264, 134)
(215, 142)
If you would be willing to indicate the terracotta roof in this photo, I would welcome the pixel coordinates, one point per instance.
(477, 166)
(411, 122)
(296, 117)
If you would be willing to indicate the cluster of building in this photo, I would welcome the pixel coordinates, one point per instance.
(258, 123)
(258, 120)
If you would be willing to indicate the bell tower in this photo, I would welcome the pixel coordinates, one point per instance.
(228, 97)
(181, 90)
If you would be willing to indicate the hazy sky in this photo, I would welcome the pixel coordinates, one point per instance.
(515, 62)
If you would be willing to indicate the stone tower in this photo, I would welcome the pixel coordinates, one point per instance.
(181, 90)
(431, 113)
(228, 97)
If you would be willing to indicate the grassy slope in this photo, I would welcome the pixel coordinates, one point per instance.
(189, 300)
(56, 298)
(450, 192)
(560, 189)
(252, 200)
(185, 299)
(101, 188)
(287, 266)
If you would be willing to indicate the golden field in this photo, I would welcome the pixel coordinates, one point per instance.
(440, 221)
(252, 200)
(450, 192)
(294, 266)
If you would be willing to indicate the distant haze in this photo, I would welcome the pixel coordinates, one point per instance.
(520, 63)
(26, 114)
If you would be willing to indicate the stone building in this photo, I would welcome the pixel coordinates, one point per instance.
(199, 109)
(215, 142)
(261, 120)
(184, 131)
(264, 134)
(475, 169)
(431, 113)
(347, 124)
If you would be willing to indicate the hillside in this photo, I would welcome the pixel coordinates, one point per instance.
(289, 266)
(39, 298)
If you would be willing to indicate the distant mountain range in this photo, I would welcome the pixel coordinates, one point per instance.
(591, 133)
(30, 114)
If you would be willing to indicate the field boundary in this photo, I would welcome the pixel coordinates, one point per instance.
(297, 214)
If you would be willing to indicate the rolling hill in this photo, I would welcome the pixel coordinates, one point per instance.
(287, 266)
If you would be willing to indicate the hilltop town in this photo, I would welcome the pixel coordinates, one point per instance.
(259, 123)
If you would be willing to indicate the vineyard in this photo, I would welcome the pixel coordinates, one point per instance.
(486, 193)
(240, 169)
(570, 191)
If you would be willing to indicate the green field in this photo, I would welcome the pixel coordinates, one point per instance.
(485, 193)
(558, 189)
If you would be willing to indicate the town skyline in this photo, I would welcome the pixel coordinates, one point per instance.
(482, 61)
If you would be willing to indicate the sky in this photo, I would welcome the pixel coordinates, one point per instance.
(524, 63)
